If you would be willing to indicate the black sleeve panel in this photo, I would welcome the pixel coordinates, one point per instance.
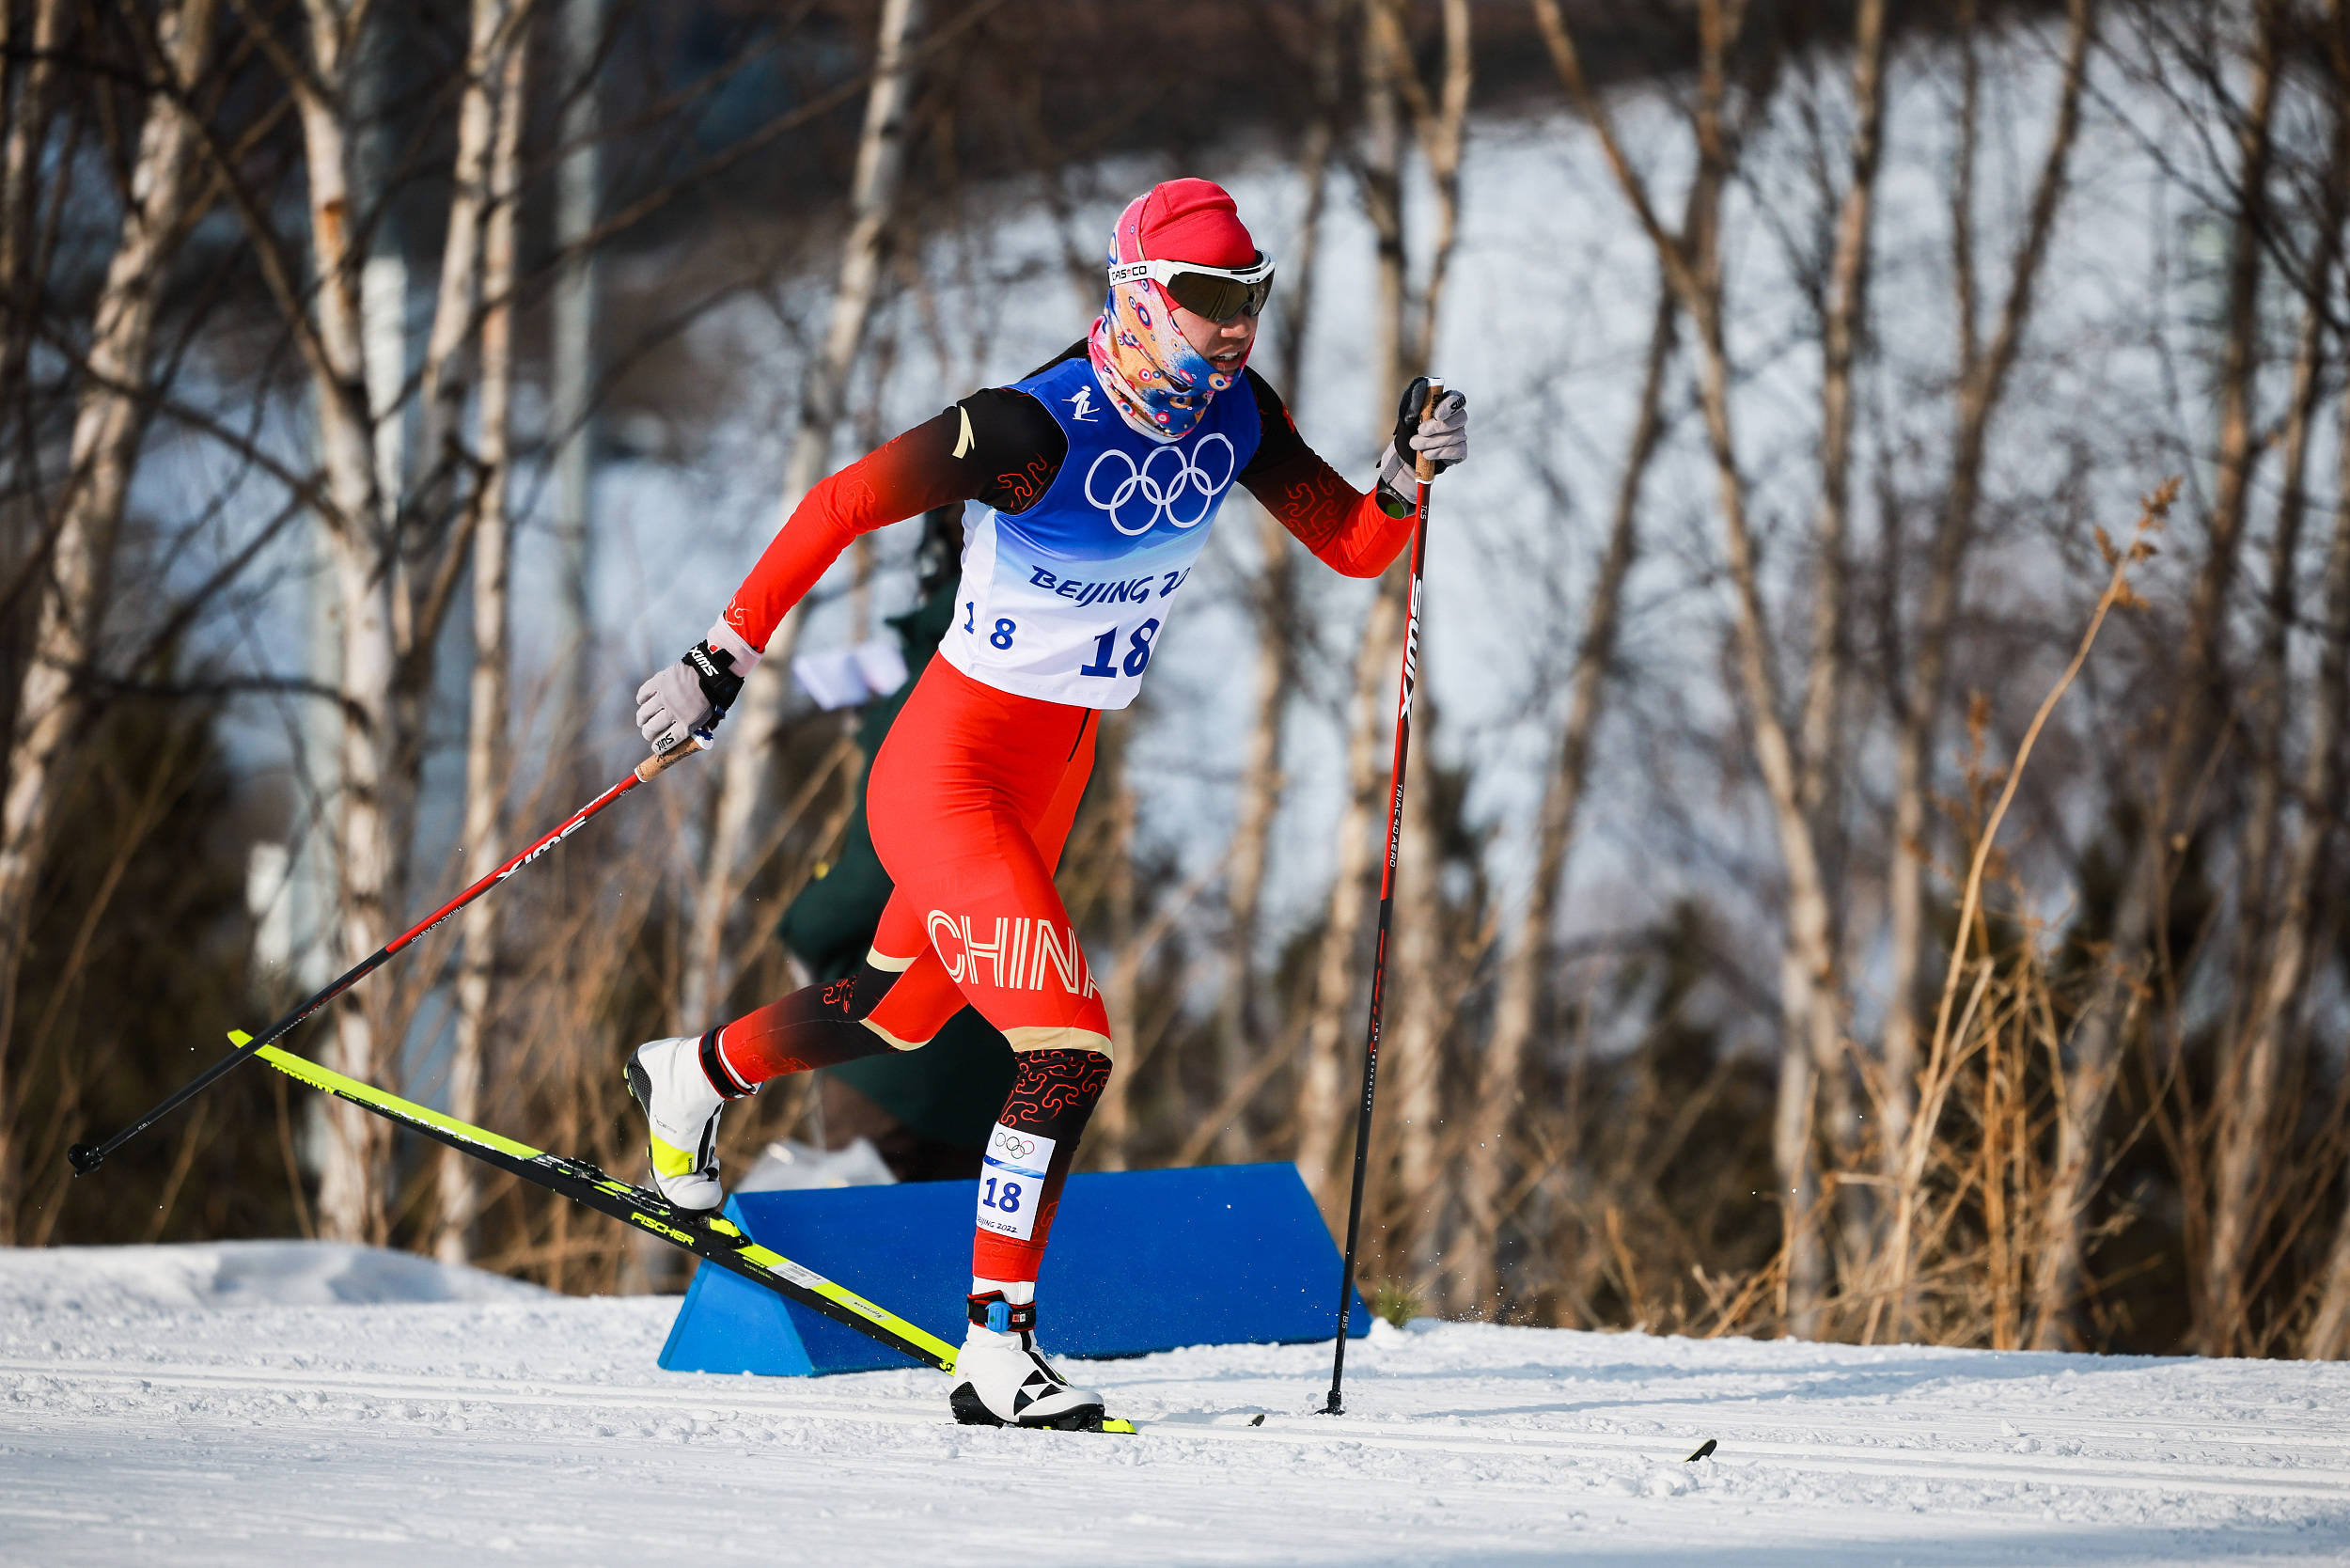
(1008, 446)
(1346, 529)
(1279, 445)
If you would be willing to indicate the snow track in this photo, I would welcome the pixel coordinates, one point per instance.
(537, 1429)
(2319, 1471)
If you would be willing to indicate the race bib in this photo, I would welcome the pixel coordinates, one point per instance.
(1065, 601)
(1012, 1180)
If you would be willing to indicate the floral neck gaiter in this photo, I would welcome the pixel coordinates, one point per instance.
(1160, 384)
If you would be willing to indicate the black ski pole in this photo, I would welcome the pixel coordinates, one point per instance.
(1426, 471)
(86, 1158)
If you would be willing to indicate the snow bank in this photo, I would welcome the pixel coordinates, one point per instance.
(115, 1281)
(535, 1429)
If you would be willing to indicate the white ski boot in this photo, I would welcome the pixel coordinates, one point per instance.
(669, 1079)
(1000, 1380)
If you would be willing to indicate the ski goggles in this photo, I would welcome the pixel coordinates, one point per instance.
(1219, 293)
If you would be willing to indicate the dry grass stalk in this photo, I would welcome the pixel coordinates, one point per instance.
(1942, 1061)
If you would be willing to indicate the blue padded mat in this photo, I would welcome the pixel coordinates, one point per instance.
(1140, 1261)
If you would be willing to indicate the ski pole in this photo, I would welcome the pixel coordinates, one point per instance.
(1426, 472)
(86, 1158)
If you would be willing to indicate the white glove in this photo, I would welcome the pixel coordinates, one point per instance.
(694, 693)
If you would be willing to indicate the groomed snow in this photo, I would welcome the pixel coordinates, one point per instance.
(266, 1404)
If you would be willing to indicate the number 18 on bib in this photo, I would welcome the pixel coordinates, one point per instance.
(1011, 1180)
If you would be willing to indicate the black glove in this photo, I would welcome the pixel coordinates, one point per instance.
(1443, 436)
(692, 694)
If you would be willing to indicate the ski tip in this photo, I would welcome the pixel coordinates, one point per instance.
(1703, 1449)
(240, 1039)
(1116, 1424)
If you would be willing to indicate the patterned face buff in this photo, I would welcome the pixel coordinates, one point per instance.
(1160, 384)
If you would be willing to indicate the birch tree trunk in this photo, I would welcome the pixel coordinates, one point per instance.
(749, 754)
(1322, 1100)
(353, 1148)
(2059, 1279)
(1983, 380)
(1419, 1194)
(571, 371)
(443, 385)
(1810, 998)
(1275, 602)
(486, 737)
(2274, 936)
(2329, 1333)
(1400, 354)
(1484, 1162)
(429, 518)
(1424, 985)
(107, 427)
(1842, 324)
(2287, 976)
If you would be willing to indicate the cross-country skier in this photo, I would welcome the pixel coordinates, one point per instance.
(1103, 471)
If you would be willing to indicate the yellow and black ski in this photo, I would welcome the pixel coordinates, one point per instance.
(710, 1236)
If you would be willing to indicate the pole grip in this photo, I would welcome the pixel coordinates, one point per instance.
(661, 761)
(1422, 465)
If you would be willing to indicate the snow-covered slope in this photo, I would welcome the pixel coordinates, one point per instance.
(145, 1425)
(113, 1280)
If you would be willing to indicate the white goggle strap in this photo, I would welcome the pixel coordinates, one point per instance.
(1159, 271)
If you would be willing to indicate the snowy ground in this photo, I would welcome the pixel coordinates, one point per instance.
(272, 1403)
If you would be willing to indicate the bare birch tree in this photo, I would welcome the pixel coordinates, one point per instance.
(571, 352)
(2060, 1280)
(364, 550)
(1424, 948)
(1274, 600)
(2284, 984)
(443, 386)
(1810, 991)
(1843, 322)
(1984, 367)
(2247, 1185)
(1495, 1108)
(486, 735)
(1401, 349)
(750, 759)
(163, 201)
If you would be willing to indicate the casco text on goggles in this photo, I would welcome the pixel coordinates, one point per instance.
(1219, 293)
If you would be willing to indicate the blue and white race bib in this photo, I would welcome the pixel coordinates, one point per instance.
(1067, 601)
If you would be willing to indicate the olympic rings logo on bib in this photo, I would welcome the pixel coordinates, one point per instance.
(1166, 494)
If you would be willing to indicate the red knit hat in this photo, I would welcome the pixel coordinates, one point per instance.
(1195, 220)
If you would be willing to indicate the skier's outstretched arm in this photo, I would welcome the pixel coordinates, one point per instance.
(985, 448)
(1353, 532)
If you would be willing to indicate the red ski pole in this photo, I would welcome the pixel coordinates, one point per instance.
(1427, 472)
(85, 1157)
